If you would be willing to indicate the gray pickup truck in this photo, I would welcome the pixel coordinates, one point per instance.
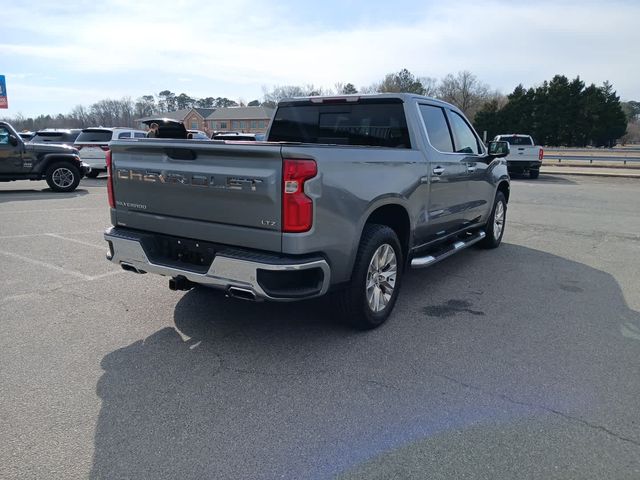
(346, 193)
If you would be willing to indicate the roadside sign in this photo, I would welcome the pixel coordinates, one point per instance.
(4, 103)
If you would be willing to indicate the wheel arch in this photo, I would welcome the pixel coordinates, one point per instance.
(505, 188)
(394, 215)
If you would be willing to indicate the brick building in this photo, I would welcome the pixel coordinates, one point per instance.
(240, 119)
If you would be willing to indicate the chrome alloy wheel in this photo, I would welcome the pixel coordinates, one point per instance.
(62, 177)
(498, 220)
(381, 277)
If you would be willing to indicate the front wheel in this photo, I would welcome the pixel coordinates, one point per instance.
(494, 228)
(534, 173)
(372, 293)
(63, 177)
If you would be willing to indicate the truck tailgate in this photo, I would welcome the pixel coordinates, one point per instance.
(522, 153)
(222, 193)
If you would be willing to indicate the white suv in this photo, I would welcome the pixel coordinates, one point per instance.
(93, 143)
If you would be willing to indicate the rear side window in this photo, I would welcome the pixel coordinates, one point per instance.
(95, 136)
(364, 124)
(517, 140)
(465, 139)
(437, 128)
(139, 135)
(124, 135)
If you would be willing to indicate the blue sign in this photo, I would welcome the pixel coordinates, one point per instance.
(4, 103)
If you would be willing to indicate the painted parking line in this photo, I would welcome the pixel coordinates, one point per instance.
(57, 268)
(49, 210)
(33, 235)
(88, 244)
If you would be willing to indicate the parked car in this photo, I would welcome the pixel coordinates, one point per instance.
(93, 143)
(26, 135)
(58, 164)
(237, 136)
(344, 196)
(64, 136)
(198, 135)
(525, 156)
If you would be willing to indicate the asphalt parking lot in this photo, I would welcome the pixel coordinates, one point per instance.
(521, 362)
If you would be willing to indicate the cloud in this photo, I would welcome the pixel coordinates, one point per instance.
(244, 45)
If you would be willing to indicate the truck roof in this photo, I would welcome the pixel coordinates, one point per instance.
(357, 96)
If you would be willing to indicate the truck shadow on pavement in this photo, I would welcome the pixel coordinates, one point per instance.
(512, 338)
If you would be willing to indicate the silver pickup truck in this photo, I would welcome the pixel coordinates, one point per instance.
(346, 193)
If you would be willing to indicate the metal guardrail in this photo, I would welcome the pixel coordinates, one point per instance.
(592, 158)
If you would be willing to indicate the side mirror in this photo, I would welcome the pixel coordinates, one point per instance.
(498, 149)
(13, 140)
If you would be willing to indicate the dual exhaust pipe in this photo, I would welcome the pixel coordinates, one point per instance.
(181, 283)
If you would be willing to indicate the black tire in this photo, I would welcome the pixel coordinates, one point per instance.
(534, 173)
(352, 302)
(493, 239)
(93, 174)
(63, 176)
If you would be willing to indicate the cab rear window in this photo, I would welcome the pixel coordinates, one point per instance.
(517, 140)
(381, 124)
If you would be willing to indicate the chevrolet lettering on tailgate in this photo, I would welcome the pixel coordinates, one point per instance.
(194, 180)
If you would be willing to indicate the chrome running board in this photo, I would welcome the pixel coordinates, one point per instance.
(447, 250)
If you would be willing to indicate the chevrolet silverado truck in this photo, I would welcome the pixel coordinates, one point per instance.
(59, 165)
(525, 156)
(346, 193)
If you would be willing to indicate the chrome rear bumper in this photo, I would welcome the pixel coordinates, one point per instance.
(226, 271)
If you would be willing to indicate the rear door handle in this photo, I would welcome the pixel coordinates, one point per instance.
(471, 168)
(438, 171)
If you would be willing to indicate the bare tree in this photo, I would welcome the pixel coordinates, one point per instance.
(465, 91)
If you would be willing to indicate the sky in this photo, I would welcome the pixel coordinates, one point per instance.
(56, 55)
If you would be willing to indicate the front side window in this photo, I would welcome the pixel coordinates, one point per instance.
(139, 135)
(4, 136)
(437, 128)
(465, 139)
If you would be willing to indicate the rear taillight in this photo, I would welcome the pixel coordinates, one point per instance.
(78, 147)
(112, 202)
(297, 208)
(540, 154)
(104, 147)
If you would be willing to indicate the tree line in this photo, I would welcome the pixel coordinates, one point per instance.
(557, 112)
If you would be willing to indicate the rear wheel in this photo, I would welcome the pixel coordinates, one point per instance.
(494, 228)
(371, 295)
(63, 177)
(534, 173)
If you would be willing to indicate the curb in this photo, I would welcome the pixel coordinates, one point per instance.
(593, 173)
